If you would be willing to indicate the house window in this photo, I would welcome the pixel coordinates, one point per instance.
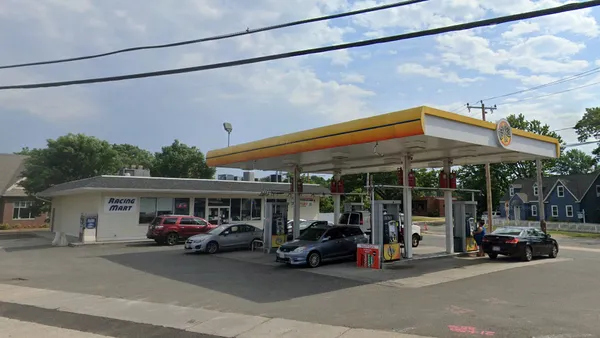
(555, 211)
(535, 190)
(511, 190)
(22, 210)
(560, 191)
(534, 210)
(569, 209)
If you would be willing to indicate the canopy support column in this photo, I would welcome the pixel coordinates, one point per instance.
(448, 211)
(407, 195)
(296, 224)
(336, 199)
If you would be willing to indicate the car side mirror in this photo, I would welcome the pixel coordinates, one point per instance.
(325, 239)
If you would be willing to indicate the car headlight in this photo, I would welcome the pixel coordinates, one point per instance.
(299, 249)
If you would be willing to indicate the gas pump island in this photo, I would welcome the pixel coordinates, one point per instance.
(275, 225)
(420, 137)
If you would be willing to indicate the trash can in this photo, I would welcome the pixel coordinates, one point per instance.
(459, 244)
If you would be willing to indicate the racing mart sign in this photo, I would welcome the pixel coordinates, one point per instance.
(119, 204)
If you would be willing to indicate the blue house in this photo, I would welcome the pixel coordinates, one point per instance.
(567, 198)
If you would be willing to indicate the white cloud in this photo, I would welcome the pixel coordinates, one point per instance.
(520, 28)
(436, 73)
(352, 78)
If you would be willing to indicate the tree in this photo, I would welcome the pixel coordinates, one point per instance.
(589, 126)
(502, 174)
(182, 161)
(574, 161)
(130, 155)
(68, 158)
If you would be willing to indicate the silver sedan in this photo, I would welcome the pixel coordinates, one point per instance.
(224, 237)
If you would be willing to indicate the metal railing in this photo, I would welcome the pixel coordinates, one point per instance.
(559, 226)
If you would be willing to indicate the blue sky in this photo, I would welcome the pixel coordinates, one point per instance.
(283, 96)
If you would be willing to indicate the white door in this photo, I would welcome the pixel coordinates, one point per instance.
(517, 213)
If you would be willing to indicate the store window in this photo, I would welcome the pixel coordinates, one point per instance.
(219, 202)
(236, 209)
(164, 206)
(147, 210)
(200, 207)
(22, 210)
(182, 206)
(256, 206)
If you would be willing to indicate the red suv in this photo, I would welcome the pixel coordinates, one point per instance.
(171, 229)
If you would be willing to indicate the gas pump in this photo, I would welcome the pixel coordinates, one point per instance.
(464, 213)
(275, 225)
(386, 229)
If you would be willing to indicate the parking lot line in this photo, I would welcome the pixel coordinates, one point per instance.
(190, 319)
(445, 276)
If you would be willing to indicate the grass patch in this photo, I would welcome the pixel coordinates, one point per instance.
(574, 234)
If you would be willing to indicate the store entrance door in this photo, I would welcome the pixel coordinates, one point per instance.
(219, 215)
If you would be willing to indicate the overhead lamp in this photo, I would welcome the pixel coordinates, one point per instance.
(228, 128)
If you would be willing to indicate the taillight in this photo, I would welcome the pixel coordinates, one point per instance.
(512, 241)
(361, 222)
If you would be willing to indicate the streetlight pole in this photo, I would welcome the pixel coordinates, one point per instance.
(228, 128)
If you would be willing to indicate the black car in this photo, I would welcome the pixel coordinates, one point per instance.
(522, 242)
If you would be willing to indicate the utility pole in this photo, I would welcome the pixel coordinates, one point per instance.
(488, 176)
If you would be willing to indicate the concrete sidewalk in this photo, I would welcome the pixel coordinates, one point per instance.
(183, 318)
(19, 329)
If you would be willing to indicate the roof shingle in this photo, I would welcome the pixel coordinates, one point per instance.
(161, 183)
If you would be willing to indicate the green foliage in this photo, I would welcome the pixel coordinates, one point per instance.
(130, 155)
(68, 158)
(181, 160)
(574, 161)
(502, 174)
(589, 126)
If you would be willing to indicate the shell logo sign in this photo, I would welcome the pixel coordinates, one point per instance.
(504, 133)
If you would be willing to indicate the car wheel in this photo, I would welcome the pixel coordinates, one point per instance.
(314, 259)
(415, 241)
(493, 256)
(172, 239)
(528, 254)
(554, 251)
(212, 247)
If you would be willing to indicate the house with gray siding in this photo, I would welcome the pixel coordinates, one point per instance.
(567, 198)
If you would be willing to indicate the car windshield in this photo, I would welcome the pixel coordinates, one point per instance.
(218, 229)
(312, 234)
(344, 219)
(507, 232)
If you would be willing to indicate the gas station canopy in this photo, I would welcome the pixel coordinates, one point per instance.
(378, 144)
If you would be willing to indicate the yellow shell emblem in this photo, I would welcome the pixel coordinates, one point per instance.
(504, 133)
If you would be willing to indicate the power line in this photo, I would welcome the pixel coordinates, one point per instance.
(434, 31)
(563, 80)
(550, 94)
(221, 37)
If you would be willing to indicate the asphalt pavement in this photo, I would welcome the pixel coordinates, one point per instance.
(440, 298)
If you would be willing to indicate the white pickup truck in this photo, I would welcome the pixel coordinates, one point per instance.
(363, 219)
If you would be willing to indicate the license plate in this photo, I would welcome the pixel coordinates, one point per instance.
(280, 255)
(496, 248)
